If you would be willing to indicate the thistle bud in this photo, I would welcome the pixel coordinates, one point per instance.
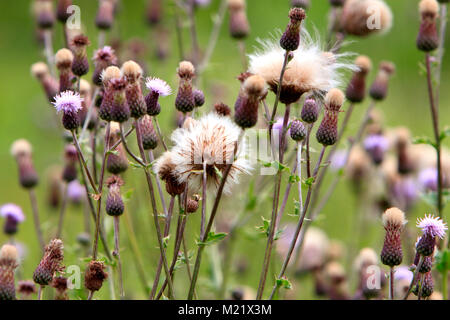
(427, 286)
(105, 15)
(61, 10)
(290, 39)
(432, 228)
(60, 285)
(297, 130)
(40, 71)
(379, 89)
(239, 27)
(118, 162)
(149, 136)
(185, 101)
(247, 103)
(95, 275)
(158, 88)
(69, 103)
(114, 201)
(75, 192)
(199, 98)
(222, 109)
(192, 205)
(310, 111)
(63, 61)
(304, 4)
(133, 74)
(103, 58)
(165, 168)
(45, 16)
(427, 263)
(376, 146)
(154, 12)
(108, 75)
(8, 265)
(26, 288)
(393, 222)
(71, 158)
(356, 90)
(13, 216)
(427, 39)
(403, 147)
(327, 133)
(80, 65)
(51, 262)
(21, 150)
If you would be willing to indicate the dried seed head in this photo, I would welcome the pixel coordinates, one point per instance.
(20, 148)
(39, 70)
(8, 265)
(393, 218)
(327, 132)
(427, 38)
(132, 71)
(111, 72)
(254, 85)
(186, 70)
(95, 275)
(366, 257)
(222, 109)
(9, 254)
(63, 59)
(363, 63)
(393, 221)
(192, 205)
(334, 99)
(429, 7)
(379, 89)
(50, 263)
(356, 89)
(165, 168)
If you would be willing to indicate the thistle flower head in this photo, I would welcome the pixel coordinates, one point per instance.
(105, 54)
(376, 145)
(39, 70)
(68, 101)
(75, 191)
(8, 254)
(11, 210)
(432, 226)
(393, 218)
(112, 72)
(186, 70)
(132, 71)
(308, 70)
(428, 8)
(63, 58)
(159, 86)
(212, 140)
(428, 179)
(21, 147)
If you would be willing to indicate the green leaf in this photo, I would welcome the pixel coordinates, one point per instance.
(276, 165)
(265, 228)
(166, 241)
(293, 178)
(284, 283)
(424, 140)
(127, 195)
(445, 133)
(308, 182)
(218, 172)
(443, 261)
(213, 238)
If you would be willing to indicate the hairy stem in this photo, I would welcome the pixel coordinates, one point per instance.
(37, 223)
(116, 253)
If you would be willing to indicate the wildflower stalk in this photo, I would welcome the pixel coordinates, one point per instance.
(62, 211)
(153, 204)
(83, 162)
(391, 283)
(49, 50)
(241, 46)
(100, 191)
(273, 221)
(277, 98)
(299, 225)
(416, 271)
(94, 152)
(166, 233)
(37, 223)
(116, 253)
(440, 49)
(193, 31)
(89, 114)
(435, 118)
(203, 217)
(178, 29)
(160, 136)
(308, 156)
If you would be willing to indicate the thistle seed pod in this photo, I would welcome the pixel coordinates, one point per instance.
(166, 172)
(393, 222)
(428, 39)
(60, 285)
(327, 133)
(239, 26)
(103, 58)
(379, 89)
(95, 275)
(290, 39)
(26, 288)
(61, 10)
(51, 262)
(71, 158)
(41, 72)
(63, 60)
(108, 75)
(310, 111)
(149, 136)
(21, 150)
(199, 98)
(297, 130)
(356, 90)
(105, 15)
(117, 163)
(185, 101)
(114, 201)
(133, 75)
(222, 109)
(427, 263)
(427, 286)
(80, 65)
(247, 103)
(8, 265)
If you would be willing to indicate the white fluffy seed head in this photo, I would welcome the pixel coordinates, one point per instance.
(334, 97)
(114, 127)
(186, 69)
(236, 4)
(310, 69)
(39, 69)
(254, 85)
(131, 70)
(112, 72)
(21, 147)
(430, 7)
(393, 217)
(85, 88)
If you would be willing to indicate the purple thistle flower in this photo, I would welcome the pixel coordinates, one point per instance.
(403, 273)
(376, 145)
(75, 191)
(432, 226)
(105, 53)
(11, 210)
(338, 160)
(428, 179)
(159, 86)
(68, 101)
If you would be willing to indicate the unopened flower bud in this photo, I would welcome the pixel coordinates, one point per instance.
(117, 162)
(192, 205)
(149, 136)
(80, 65)
(239, 26)
(297, 130)
(114, 201)
(22, 152)
(356, 90)
(61, 11)
(327, 133)
(133, 74)
(108, 75)
(310, 111)
(71, 158)
(393, 222)
(45, 16)
(199, 98)
(105, 15)
(290, 39)
(379, 88)
(185, 101)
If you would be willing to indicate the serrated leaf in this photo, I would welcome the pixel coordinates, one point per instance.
(264, 229)
(308, 182)
(424, 140)
(284, 283)
(213, 238)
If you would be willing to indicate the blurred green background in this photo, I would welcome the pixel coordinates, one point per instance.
(25, 113)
